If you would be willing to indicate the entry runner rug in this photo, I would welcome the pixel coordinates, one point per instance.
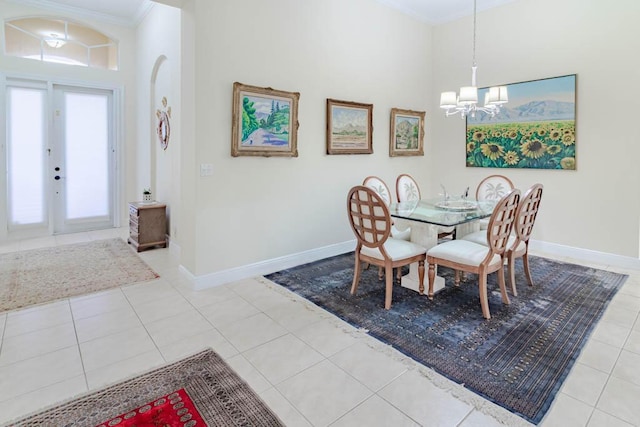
(43, 275)
(517, 359)
(201, 390)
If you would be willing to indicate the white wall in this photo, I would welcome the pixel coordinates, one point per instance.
(158, 75)
(254, 208)
(596, 207)
(124, 78)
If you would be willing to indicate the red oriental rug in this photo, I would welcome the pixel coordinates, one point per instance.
(201, 390)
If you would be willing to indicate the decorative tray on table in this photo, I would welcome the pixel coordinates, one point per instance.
(457, 205)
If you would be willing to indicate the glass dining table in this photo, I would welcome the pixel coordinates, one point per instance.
(426, 216)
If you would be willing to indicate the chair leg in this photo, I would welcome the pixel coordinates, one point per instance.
(421, 277)
(380, 273)
(389, 284)
(484, 300)
(503, 285)
(512, 273)
(356, 276)
(399, 275)
(432, 278)
(456, 281)
(527, 272)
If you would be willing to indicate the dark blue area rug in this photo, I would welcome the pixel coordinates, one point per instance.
(517, 359)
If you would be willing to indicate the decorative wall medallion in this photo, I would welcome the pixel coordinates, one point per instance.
(164, 129)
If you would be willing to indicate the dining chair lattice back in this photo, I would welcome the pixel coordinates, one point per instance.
(525, 220)
(380, 187)
(467, 256)
(518, 245)
(371, 223)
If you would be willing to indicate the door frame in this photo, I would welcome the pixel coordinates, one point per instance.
(60, 223)
(12, 79)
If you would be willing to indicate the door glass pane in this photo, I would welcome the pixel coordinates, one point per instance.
(26, 132)
(86, 155)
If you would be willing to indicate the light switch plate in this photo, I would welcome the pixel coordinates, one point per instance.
(206, 169)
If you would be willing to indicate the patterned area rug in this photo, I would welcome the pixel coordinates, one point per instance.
(43, 275)
(197, 391)
(518, 359)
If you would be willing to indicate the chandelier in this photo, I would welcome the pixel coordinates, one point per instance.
(55, 41)
(467, 102)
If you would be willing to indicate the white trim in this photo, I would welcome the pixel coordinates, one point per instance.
(585, 255)
(265, 267)
(41, 81)
(174, 248)
(276, 264)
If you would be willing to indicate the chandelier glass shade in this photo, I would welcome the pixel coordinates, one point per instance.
(55, 41)
(466, 102)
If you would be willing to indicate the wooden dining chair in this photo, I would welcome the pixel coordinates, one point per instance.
(518, 245)
(407, 190)
(492, 187)
(371, 223)
(471, 257)
(380, 187)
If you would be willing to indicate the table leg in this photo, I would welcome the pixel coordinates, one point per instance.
(425, 235)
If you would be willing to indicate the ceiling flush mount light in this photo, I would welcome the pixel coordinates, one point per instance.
(55, 41)
(466, 103)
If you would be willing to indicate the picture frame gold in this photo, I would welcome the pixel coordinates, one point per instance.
(406, 133)
(349, 127)
(535, 130)
(264, 122)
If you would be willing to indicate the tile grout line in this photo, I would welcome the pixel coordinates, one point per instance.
(75, 331)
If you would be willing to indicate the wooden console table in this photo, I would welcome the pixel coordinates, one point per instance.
(147, 225)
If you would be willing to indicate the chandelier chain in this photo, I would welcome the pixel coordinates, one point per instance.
(466, 103)
(474, 32)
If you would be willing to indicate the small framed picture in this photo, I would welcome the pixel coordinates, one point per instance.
(406, 133)
(264, 122)
(349, 127)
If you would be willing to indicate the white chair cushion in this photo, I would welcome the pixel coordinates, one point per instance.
(396, 249)
(480, 237)
(462, 252)
(484, 223)
(401, 235)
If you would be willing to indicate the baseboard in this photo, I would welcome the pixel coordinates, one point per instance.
(174, 249)
(265, 267)
(276, 264)
(586, 255)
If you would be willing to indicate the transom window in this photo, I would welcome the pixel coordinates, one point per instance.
(58, 40)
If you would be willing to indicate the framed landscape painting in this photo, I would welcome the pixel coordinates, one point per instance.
(535, 129)
(264, 122)
(406, 136)
(349, 127)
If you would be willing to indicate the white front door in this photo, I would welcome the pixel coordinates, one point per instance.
(60, 150)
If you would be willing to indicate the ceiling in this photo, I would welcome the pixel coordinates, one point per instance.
(130, 12)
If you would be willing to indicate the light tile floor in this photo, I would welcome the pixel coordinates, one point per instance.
(311, 368)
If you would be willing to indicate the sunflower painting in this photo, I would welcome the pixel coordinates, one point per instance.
(536, 129)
